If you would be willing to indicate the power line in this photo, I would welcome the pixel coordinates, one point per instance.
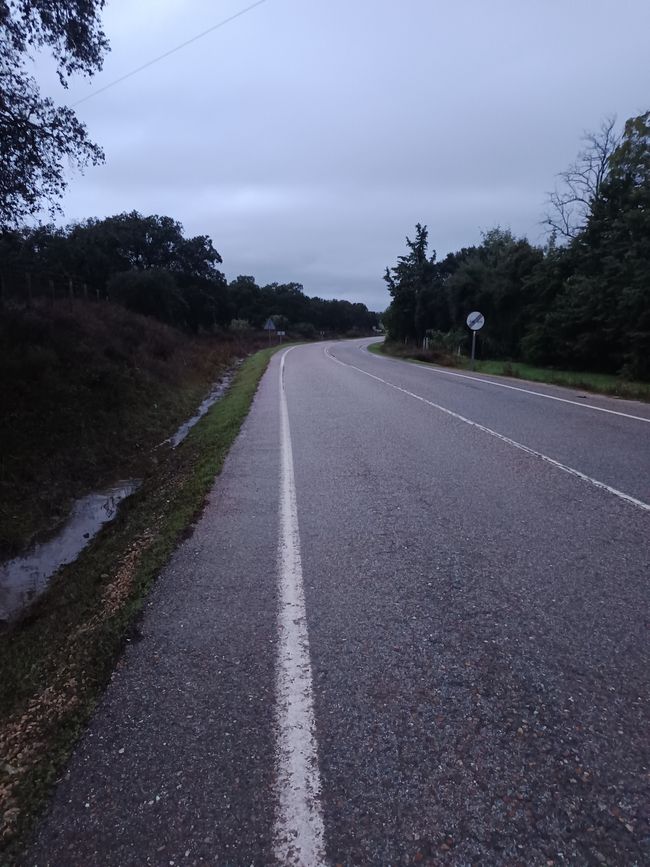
(168, 53)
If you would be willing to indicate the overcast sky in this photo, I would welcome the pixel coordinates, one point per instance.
(307, 137)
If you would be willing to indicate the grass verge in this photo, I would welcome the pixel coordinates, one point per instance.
(598, 383)
(55, 664)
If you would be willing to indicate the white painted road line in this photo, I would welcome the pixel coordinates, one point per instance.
(560, 466)
(299, 837)
(525, 390)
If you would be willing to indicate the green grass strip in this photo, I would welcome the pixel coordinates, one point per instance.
(598, 383)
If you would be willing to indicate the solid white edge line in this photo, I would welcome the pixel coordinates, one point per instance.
(299, 836)
(518, 388)
(560, 466)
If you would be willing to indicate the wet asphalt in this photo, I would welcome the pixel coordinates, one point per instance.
(478, 626)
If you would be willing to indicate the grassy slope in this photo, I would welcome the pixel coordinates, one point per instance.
(599, 383)
(54, 667)
(86, 392)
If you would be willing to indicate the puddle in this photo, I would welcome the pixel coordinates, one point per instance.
(23, 579)
(218, 391)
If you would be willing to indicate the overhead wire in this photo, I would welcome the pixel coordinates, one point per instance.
(170, 52)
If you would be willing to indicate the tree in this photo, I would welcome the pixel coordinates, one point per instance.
(287, 299)
(158, 242)
(493, 278)
(571, 203)
(408, 281)
(206, 302)
(245, 295)
(599, 318)
(616, 249)
(37, 137)
(99, 248)
(151, 293)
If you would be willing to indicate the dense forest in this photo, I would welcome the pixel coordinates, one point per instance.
(582, 302)
(146, 264)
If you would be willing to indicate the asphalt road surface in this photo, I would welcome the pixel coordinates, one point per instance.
(411, 627)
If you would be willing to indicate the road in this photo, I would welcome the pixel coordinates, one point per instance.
(411, 627)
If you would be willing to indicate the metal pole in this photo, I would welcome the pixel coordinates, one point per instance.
(473, 347)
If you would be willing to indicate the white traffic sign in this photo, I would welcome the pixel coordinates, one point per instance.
(269, 326)
(476, 321)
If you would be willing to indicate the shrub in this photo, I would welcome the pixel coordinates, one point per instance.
(240, 325)
(151, 293)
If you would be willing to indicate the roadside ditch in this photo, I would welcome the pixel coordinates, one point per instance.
(55, 663)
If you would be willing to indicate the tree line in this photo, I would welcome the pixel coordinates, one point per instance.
(142, 262)
(580, 302)
(148, 265)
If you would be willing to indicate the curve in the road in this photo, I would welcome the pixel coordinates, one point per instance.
(529, 391)
(524, 448)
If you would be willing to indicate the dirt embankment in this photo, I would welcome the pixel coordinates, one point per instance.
(86, 393)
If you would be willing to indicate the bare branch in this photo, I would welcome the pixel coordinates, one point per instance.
(571, 203)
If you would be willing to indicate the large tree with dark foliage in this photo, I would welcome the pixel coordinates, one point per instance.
(598, 288)
(492, 278)
(36, 136)
(132, 241)
(412, 285)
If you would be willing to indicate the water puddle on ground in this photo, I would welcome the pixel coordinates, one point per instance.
(218, 391)
(24, 578)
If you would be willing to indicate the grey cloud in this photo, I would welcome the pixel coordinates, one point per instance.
(308, 138)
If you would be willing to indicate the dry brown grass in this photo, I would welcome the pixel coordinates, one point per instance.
(26, 735)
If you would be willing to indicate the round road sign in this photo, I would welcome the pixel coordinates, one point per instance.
(476, 320)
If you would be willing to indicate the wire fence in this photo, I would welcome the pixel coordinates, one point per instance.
(22, 288)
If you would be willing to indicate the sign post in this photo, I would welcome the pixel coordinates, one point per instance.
(475, 321)
(269, 326)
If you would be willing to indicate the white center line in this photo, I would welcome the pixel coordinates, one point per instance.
(579, 403)
(560, 466)
(299, 837)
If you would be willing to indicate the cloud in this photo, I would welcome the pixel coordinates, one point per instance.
(307, 139)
